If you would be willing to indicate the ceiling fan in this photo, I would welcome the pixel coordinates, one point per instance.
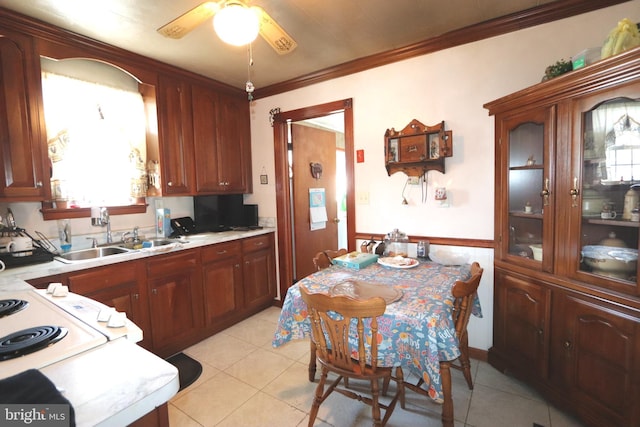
(269, 29)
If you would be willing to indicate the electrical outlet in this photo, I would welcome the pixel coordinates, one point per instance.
(414, 180)
(362, 197)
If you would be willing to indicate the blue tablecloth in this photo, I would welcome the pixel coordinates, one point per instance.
(416, 332)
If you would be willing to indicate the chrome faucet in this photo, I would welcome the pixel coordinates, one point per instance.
(104, 214)
(103, 220)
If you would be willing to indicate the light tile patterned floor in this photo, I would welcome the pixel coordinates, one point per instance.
(247, 383)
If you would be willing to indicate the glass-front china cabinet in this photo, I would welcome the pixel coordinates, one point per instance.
(566, 297)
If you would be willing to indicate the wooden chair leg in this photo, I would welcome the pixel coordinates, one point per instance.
(375, 403)
(465, 363)
(312, 361)
(447, 406)
(317, 400)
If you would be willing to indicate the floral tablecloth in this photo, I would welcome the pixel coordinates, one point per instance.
(416, 332)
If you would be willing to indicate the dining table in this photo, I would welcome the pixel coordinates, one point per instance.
(416, 332)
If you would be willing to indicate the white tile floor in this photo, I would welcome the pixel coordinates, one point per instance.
(245, 382)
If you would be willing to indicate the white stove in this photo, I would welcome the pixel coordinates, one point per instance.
(60, 326)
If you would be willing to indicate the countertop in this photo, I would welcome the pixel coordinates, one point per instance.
(57, 267)
(119, 382)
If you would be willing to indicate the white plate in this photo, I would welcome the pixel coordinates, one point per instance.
(365, 290)
(398, 262)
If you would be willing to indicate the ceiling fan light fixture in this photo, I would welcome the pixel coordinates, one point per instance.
(236, 24)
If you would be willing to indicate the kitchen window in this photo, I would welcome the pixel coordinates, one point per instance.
(96, 142)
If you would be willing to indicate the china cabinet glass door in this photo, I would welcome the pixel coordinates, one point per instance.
(610, 175)
(528, 196)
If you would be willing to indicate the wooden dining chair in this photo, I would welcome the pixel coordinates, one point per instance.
(323, 258)
(331, 320)
(464, 293)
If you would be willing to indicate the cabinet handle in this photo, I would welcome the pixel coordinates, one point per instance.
(545, 193)
(222, 252)
(246, 263)
(170, 184)
(39, 184)
(136, 296)
(412, 149)
(237, 265)
(154, 291)
(574, 193)
(258, 244)
(567, 345)
(540, 332)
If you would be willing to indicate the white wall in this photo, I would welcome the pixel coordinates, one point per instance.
(450, 85)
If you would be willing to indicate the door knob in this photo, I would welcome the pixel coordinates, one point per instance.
(336, 220)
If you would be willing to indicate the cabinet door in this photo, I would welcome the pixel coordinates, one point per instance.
(524, 203)
(234, 144)
(521, 324)
(22, 144)
(603, 239)
(205, 139)
(118, 286)
(222, 283)
(176, 136)
(595, 360)
(258, 272)
(175, 301)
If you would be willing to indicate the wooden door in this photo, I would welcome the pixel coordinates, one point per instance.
(205, 140)
(521, 324)
(176, 136)
(222, 283)
(175, 301)
(22, 147)
(258, 272)
(312, 145)
(234, 144)
(595, 359)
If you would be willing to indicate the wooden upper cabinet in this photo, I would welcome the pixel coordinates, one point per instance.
(205, 139)
(176, 136)
(22, 147)
(206, 144)
(234, 144)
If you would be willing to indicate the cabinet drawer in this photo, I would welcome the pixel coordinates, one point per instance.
(169, 264)
(102, 278)
(256, 243)
(220, 251)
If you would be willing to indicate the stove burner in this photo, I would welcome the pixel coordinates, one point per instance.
(29, 340)
(10, 306)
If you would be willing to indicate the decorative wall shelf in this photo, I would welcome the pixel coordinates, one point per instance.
(417, 148)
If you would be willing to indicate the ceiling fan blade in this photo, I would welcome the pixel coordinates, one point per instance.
(186, 22)
(273, 33)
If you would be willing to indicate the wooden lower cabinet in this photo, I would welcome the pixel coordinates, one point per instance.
(595, 359)
(120, 286)
(521, 324)
(180, 298)
(222, 284)
(175, 301)
(580, 352)
(258, 272)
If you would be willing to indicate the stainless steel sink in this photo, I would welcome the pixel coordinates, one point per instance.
(156, 242)
(92, 253)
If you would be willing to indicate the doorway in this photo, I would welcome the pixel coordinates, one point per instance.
(297, 235)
